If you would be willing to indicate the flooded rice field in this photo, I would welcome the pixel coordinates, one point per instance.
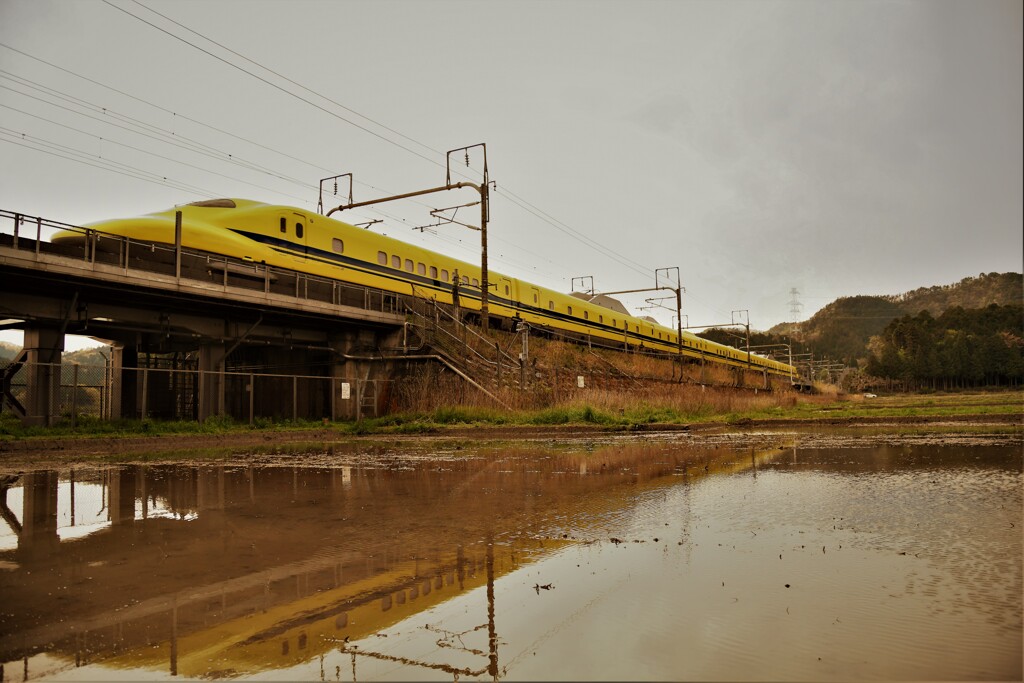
(780, 557)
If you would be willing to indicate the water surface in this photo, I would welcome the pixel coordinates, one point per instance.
(625, 560)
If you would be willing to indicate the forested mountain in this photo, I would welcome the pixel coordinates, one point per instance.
(972, 292)
(843, 329)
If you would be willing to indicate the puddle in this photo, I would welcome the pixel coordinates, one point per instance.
(767, 556)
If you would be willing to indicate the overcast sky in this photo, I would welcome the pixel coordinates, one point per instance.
(838, 148)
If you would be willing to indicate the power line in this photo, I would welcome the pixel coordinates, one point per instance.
(273, 85)
(158, 181)
(283, 77)
(148, 130)
(143, 151)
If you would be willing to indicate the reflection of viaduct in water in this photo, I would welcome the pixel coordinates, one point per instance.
(263, 568)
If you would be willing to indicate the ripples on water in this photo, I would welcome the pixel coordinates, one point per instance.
(576, 561)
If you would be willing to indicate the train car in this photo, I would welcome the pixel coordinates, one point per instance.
(288, 237)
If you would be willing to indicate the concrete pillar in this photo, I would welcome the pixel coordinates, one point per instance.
(211, 380)
(349, 375)
(357, 374)
(124, 382)
(43, 346)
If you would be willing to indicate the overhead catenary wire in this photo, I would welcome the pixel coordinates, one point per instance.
(220, 131)
(173, 137)
(148, 130)
(164, 181)
(293, 82)
(273, 85)
(147, 152)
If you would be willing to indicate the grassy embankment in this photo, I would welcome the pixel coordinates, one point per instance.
(608, 409)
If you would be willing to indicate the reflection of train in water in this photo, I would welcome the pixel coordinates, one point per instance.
(288, 237)
(318, 555)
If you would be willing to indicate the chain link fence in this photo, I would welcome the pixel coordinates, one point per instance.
(52, 392)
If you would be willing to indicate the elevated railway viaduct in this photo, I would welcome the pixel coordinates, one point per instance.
(317, 344)
(197, 334)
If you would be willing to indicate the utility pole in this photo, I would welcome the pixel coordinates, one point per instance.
(485, 214)
(524, 355)
(483, 188)
(678, 289)
(583, 280)
(746, 316)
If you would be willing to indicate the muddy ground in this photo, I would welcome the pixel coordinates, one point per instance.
(19, 454)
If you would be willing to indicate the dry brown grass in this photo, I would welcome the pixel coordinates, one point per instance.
(617, 384)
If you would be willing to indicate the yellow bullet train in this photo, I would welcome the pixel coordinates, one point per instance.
(288, 237)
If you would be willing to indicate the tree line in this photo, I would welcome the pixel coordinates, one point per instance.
(960, 348)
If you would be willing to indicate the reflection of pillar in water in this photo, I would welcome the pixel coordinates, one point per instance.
(140, 471)
(122, 495)
(460, 567)
(174, 639)
(39, 512)
(210, 488)
(492, 634)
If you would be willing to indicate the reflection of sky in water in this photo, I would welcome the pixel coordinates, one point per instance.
(89, 515)
(901, 563)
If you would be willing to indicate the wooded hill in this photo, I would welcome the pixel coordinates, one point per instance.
(94, 356)
(843, 329)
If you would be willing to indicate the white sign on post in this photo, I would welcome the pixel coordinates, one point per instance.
(579, 381)
(345, 391)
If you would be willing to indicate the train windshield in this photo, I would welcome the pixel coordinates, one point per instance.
(216, 203)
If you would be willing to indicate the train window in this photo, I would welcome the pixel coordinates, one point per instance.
(433, 272)
(506, 289)
(600, 318)
(586, 315)
(465, 279)
(551, 305)
(421, 269)
(382, 258)
(476, 283)
(444, 275)
(396, 261)
(338, 245)
(408, 265)
(298, 229)
(535, 298)
(570, 309)
(614, 322)
(284, 224)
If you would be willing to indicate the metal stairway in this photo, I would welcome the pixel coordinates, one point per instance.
(462, 348)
